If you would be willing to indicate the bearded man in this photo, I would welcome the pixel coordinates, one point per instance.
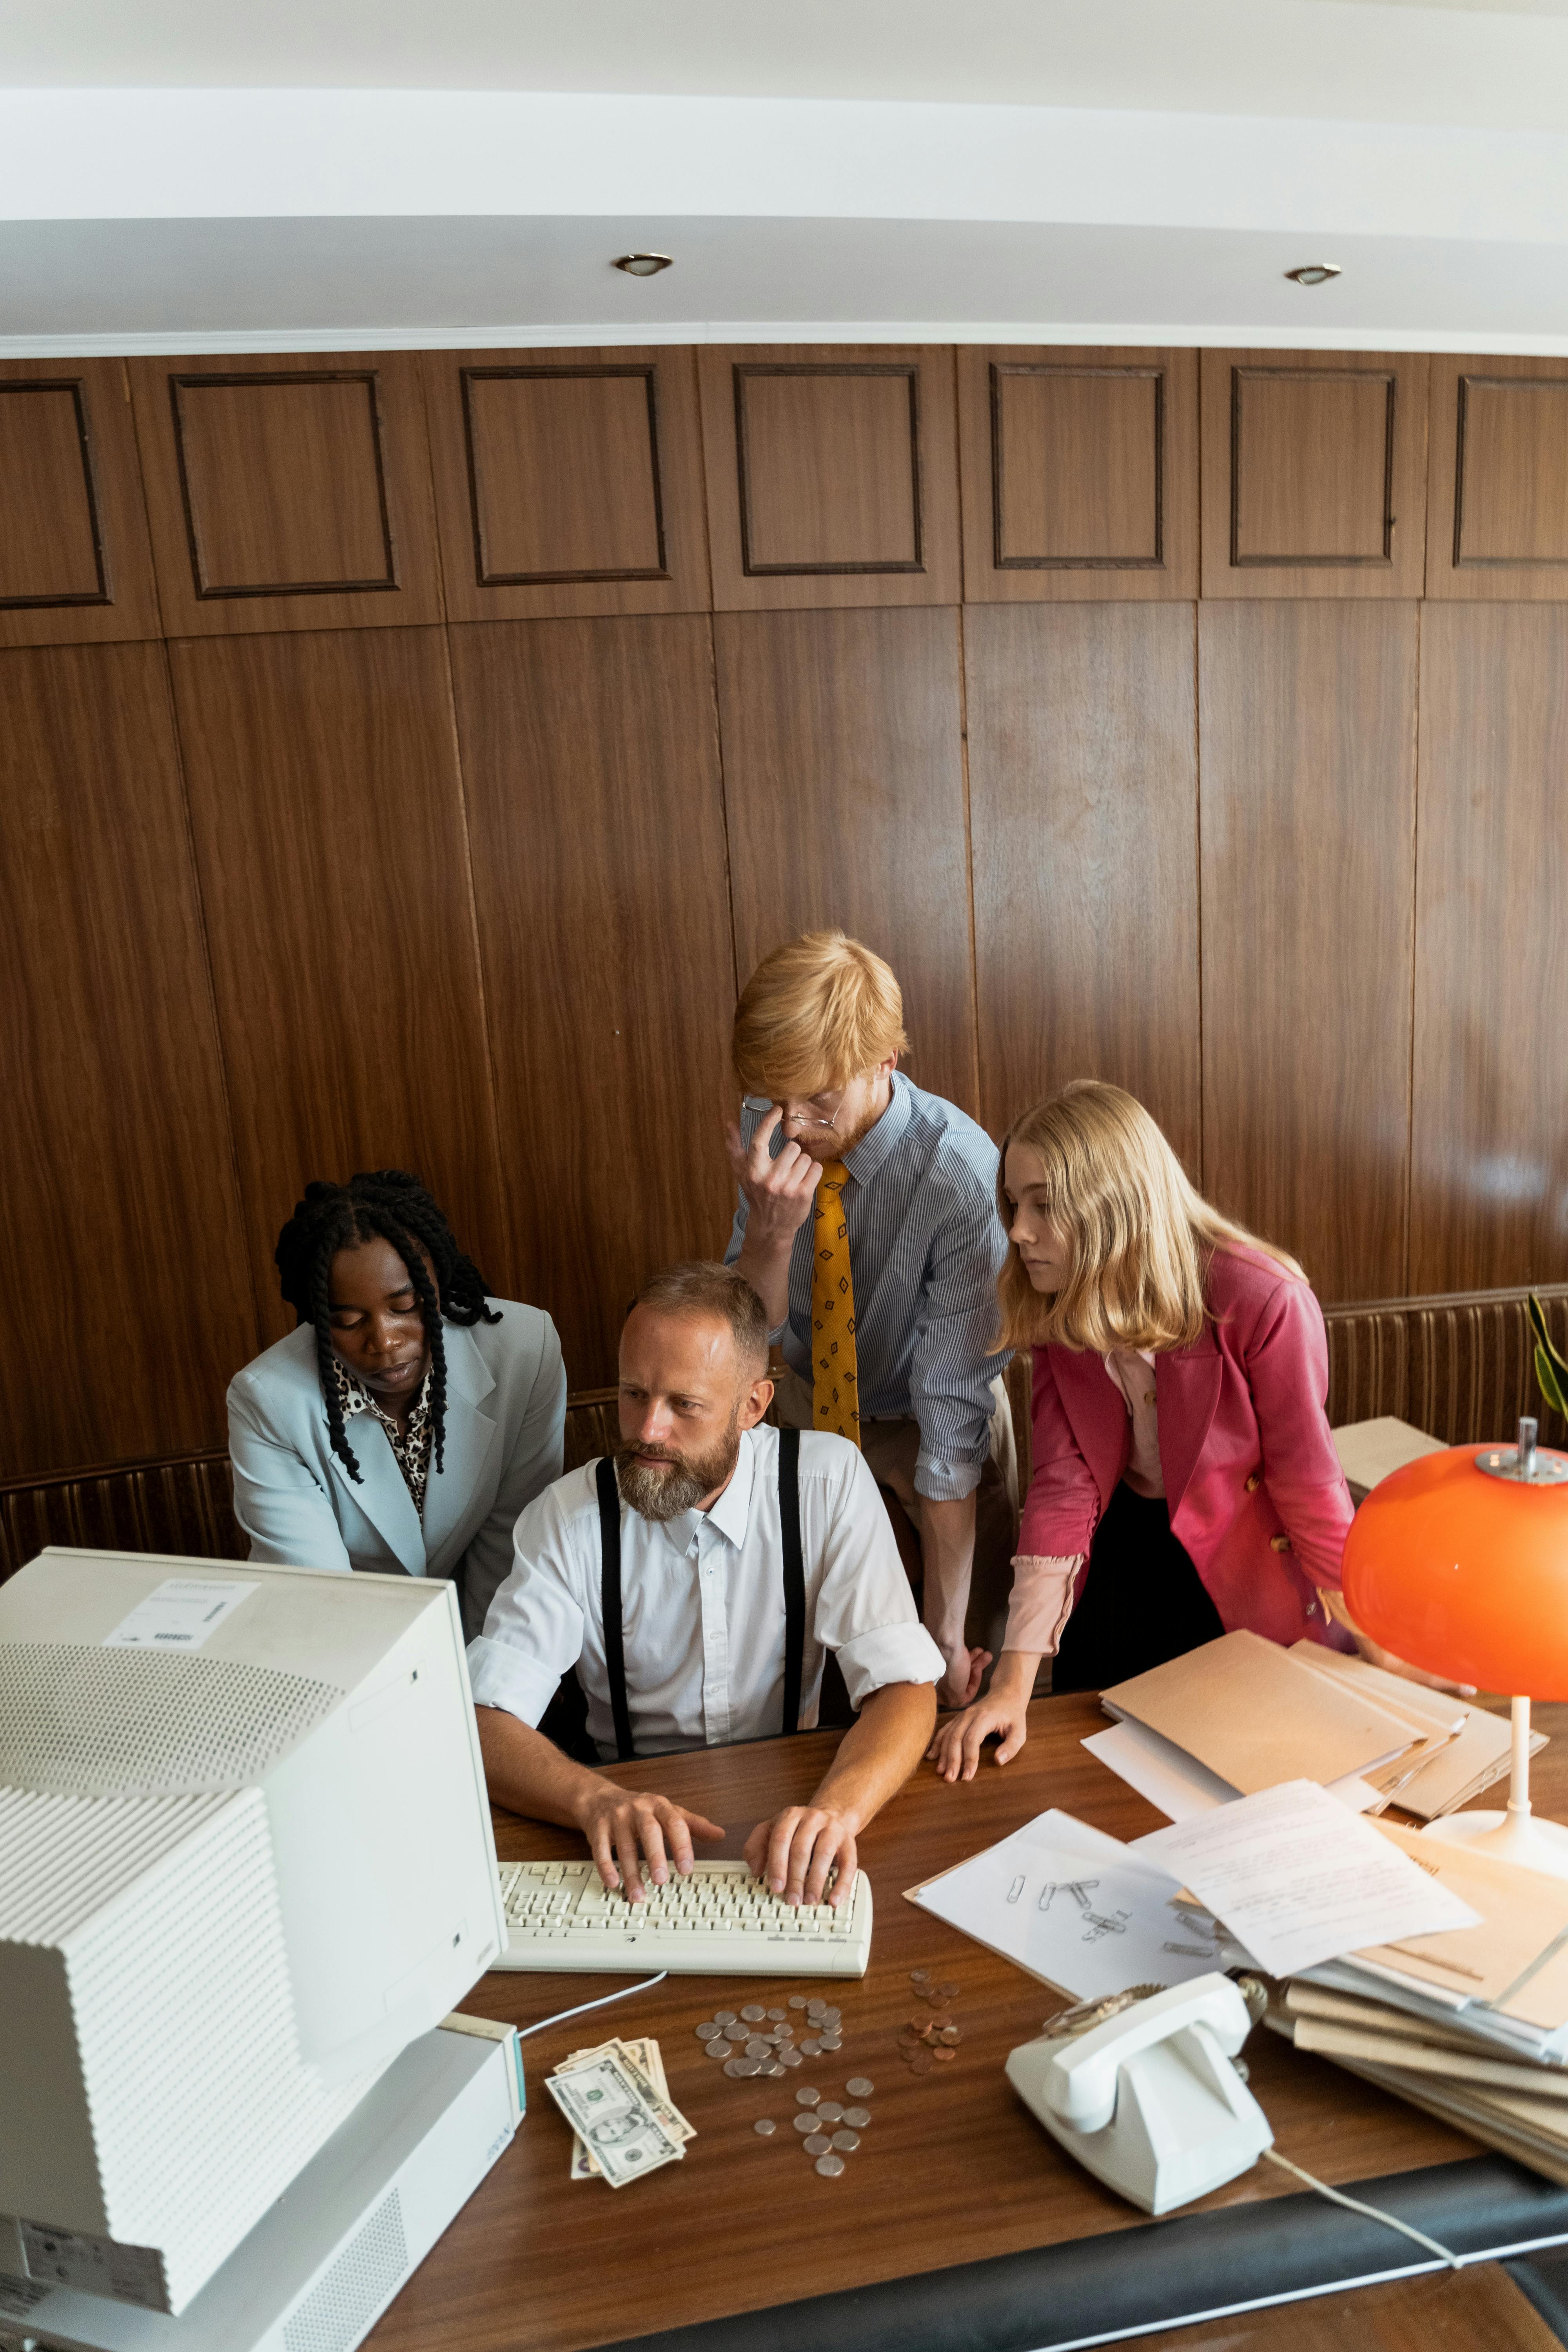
(696, 1584)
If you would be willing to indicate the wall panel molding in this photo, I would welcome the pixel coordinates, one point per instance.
(288, 497)
(1313, 473)
(1497, 484)
(75, 563)
(832, 476)
(1080, 474)
(568, 482)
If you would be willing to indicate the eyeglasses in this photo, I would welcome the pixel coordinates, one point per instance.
(816, 1112)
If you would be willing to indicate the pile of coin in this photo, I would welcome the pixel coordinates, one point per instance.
(932, 2041)
(762, 2041)
(828, 2130)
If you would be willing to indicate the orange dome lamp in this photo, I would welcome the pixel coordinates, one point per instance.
(1458, 1563)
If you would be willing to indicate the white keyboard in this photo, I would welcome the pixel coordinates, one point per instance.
(720, 1922)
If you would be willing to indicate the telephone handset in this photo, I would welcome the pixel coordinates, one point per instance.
(1149, 2102)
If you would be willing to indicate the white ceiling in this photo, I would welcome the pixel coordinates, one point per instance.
(179, 175)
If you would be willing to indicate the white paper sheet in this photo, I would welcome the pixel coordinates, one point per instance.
(1172, 1780)
(179, 1614)
(1299, 1880)
(1078, 1910)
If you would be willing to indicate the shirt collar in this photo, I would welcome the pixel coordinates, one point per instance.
(732, 1513)
(872, 1151)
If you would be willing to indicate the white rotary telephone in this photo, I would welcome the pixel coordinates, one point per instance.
(1149, 2101)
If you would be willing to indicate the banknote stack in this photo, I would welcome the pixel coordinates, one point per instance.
(617, 2102)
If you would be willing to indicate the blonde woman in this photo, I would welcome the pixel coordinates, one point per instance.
(1185, 1479)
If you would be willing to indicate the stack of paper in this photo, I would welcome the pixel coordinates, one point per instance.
(1471, 2026)
(1240, 1714)
(1464, 1749)
(1252, 1715)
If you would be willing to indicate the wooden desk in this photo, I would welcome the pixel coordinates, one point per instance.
(952, 2171)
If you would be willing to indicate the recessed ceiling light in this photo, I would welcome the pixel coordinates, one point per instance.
(1314, 273)
(643, 265)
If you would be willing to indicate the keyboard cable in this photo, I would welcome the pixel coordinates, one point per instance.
(562, 2014)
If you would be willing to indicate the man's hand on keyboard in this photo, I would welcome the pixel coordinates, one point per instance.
(640, 1833)
(795, 1852)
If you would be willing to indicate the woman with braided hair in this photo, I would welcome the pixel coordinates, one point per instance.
(409, 1418)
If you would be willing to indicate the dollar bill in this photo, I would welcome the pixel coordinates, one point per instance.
(645, 2062)
(614, 2116)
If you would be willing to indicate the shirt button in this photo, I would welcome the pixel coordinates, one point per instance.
(1278, 1543)
(1254, 1483)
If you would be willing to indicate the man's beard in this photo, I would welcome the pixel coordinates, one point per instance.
(662, 1490)
(833, 1143)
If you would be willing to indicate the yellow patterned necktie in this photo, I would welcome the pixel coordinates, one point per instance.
(834, 1387)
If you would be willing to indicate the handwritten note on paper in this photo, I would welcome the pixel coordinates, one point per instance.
(1299, 1880)
(1077, 1910)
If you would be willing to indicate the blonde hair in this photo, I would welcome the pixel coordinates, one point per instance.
(816, 1012)
(1138, 1236)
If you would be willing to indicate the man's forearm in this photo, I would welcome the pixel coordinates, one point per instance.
(877, 1754)
(947, 1552)
(766, 1266)
(529, 1774)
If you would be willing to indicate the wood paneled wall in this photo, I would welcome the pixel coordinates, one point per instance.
(402, 756)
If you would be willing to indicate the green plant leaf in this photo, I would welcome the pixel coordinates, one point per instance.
(1554, 1387)
(1544, 1334)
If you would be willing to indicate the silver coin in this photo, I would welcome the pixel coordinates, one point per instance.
(765, 2128)
(706, 2032)
(736, 2031)
(920, 1976)
(745, 2067)
(808, 2097)
(847, 2142)
(785, 2034)
(753, 2012)
(718, 2048)
(724, 2017)
(804, 2122)
(755, 2049)
(817, 2007)
(789, 2057)
(817, 2144)
(831, 2041)
(734, 2067)
(798, 2000)
(858, 2117)
(776, 2070)
(833, 2017)
(830, 2111)
(859, 2086)
(830, 2167)
(811, 2049)
(778, 2016)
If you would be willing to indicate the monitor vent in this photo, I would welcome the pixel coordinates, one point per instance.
(342, 2305)
(83, 1721)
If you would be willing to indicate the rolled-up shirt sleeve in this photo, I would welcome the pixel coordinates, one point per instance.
(865, 1610)
(534, 1633)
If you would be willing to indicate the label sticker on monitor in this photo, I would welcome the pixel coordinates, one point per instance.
(179, 1614)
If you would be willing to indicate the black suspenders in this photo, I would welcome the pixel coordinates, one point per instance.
(794, 1590)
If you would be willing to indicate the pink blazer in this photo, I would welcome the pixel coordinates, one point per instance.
(1252, 1481)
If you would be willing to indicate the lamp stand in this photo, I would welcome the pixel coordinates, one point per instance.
(1515, 1835)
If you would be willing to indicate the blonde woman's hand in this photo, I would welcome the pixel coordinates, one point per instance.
(955, 1750)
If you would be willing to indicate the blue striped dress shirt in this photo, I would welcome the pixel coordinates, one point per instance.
(926, 1247)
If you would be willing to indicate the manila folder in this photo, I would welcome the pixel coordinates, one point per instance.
(1247, 1709)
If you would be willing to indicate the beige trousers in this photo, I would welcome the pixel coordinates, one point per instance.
(891, 1449)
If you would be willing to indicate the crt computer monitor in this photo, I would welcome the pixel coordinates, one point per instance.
(245, 1858)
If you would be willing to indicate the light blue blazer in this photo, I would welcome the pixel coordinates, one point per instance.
(506, 1412)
